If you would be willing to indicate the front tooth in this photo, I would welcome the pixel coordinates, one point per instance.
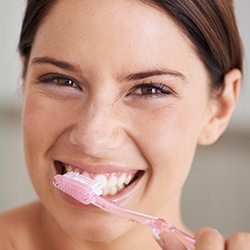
(119, 188)
(101, 178)
(69, 168)
(128, 179)
(86, 174)
(105, 191)
(121, 179)
(77, 170)
(113, 190)
(112, 182)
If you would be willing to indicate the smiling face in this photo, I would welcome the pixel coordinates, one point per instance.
(113, 89)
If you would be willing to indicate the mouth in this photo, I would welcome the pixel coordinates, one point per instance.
(112, 183)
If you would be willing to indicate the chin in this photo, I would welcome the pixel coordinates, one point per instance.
(99, 228)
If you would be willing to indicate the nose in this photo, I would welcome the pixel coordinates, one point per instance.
(98, 129)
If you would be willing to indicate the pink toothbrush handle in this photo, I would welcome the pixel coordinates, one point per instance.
(156, 224)
(82, 190)
(163, 226)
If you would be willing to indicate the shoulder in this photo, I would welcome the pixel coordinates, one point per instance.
(15, 225)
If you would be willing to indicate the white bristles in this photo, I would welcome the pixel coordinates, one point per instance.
(96, 187)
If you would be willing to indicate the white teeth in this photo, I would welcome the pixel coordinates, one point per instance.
(113, 190)
(101, 179)
(86, 174)
(120, 187)
(68, 168)
(105, 191)
(111, 183)
(121, 179)
(128, 179)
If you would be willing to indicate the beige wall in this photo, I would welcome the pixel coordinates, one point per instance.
(15, 187)
(217, 192)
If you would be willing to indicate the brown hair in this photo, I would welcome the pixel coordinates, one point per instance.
(36, 12)
(212, 28)
(210, 25)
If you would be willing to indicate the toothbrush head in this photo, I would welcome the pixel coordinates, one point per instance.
(80, 187)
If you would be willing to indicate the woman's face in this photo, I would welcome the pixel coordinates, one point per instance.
(114, 89)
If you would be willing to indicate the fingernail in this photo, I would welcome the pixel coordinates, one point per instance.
(156, 236)
(158, 239)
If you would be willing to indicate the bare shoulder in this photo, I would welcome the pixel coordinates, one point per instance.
(16, 224)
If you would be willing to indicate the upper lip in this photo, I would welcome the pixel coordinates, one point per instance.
(100, 168)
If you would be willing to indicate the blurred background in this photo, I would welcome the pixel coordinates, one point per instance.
(217, 193)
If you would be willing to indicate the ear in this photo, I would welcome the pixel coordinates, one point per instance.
(221, 109)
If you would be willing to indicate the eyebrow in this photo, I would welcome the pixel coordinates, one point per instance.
(157, 72)
(57, 63)
(131, 77)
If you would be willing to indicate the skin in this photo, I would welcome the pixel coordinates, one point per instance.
(104, 122)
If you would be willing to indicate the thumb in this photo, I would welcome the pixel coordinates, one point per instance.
(168, 242)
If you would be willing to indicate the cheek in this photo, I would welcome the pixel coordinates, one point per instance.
(43, 122)
(168, 141)
(169, 137)
(36, 120)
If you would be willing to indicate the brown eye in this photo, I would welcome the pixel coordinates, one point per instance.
(65, 82)
(59, 80)
(151, 89)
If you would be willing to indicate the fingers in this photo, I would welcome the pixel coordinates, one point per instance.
(168, 242)
(238, 241)
(209, 239)
(206, 239)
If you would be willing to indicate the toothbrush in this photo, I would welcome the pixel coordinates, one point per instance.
(88, 191)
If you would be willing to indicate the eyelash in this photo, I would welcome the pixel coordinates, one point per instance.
(157, 89)
(55, 78)
(146, 89)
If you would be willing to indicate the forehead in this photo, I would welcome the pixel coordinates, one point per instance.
(111, 18)
(131, 33)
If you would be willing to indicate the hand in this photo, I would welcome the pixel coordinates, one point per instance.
(207, 239)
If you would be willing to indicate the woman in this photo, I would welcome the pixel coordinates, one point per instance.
(123, 91)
